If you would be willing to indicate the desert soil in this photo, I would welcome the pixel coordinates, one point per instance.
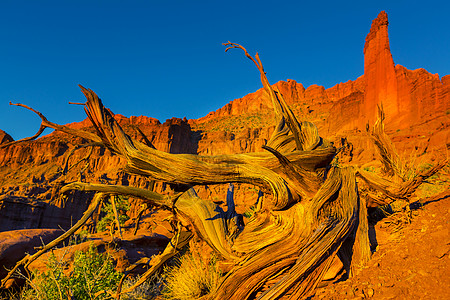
(412, 261)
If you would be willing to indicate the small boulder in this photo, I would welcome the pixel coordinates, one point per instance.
(15, 244)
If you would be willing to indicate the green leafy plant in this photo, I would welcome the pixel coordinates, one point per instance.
(108, 213)
(92, 273)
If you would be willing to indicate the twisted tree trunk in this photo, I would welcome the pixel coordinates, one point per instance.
(315, 213)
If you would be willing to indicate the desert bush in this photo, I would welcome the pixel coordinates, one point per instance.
(92, 273)
(191, 277)
(435, 184)
(108, 214)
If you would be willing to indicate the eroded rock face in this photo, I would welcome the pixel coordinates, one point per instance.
(20, 213)
(421, 95)
(32, 173)
(416, 103)
(379, 72)
(408, 97)
(15, 244)
(5, 138)
(293, 92)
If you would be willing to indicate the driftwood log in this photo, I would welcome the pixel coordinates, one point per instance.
(314, 212)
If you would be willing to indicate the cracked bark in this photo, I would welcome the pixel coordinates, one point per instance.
(315, 214)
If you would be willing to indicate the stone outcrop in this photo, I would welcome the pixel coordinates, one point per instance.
(20, 213)
(422, 96)
(379, 72)
(293, 92)
(408, 97)
(14, 245)
(33, 172)
(417, 105)
(5, 138)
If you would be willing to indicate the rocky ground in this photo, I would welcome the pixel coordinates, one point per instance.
(412, 261)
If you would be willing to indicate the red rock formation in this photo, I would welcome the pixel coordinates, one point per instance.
(14, 245)
(32, 173)
(422, 95)
(408, 97)
(342, 90)
(379, 72)
(416, 102)
(293, 92)
(5, 138)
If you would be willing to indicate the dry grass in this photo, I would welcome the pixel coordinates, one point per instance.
(150, 289)
(191, 278)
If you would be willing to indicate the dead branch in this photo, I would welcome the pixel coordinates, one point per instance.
(116, 215)
(28, 259)
(139, 216)
(144, 137)
(389, 191)
(47, 124)
(180, 239)
(392, 163)
(304, 140)
(77, 147)
(289, 243)
(151, 197)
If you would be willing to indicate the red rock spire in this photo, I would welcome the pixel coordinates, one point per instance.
(381, 20)
(379, 71)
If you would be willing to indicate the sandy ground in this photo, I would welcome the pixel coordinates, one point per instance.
(412, 261)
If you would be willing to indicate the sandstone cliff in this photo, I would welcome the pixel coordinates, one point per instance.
(379, 72)
(4, 137)
(33, 172)
(417, 105)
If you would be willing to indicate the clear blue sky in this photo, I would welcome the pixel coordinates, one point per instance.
(164, 59)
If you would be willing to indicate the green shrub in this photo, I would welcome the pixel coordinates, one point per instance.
(108, 213)
(92, 273)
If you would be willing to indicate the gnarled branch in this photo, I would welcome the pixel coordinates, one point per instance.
(27, 260)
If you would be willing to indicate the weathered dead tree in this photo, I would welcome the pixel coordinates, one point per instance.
(315, 214)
